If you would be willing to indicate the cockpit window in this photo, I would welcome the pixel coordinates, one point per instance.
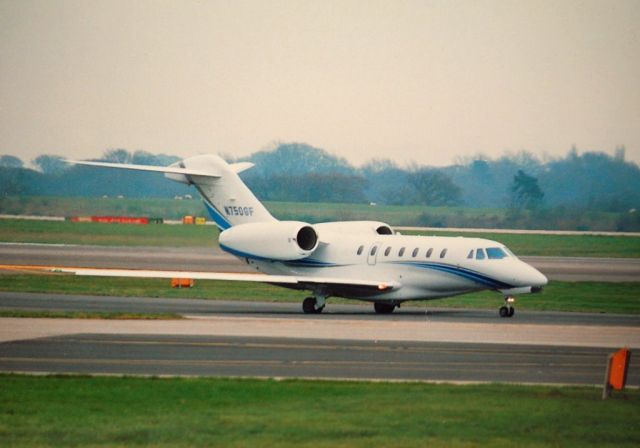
(508, 252)
(470, 254)
(480, 254)
(496, 253)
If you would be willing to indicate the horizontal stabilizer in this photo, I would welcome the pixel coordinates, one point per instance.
(241, 166)
(262, 278)
(157, 169)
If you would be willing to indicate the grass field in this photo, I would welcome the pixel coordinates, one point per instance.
(111, 411)
(31, 231)
(396, 215)
(557, 296)
(176, 209)
(87, 315)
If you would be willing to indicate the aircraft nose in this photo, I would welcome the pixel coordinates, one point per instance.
(533, 277)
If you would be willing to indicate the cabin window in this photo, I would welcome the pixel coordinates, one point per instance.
(415, 252)
(443, 253)
(470, 254)
(480, 254)
(429, 252)
(401, 253)
(374, 249)
(495, 253)
(360, 249)
(387, 251)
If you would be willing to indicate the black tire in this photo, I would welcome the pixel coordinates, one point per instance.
(512, 311)
(309, 305)
(383, 308)
(504, 311)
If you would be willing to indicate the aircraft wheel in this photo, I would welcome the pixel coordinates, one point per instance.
(383, 308)
(309, 306)
(504, 311)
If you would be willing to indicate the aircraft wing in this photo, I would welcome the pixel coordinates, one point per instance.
(232, 276)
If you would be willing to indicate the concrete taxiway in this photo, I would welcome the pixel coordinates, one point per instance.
(214, 259)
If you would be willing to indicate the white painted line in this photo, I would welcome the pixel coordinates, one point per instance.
(3, 243)
(33, 217)
(519, 231)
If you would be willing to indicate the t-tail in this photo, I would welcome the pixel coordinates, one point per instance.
(227, 199)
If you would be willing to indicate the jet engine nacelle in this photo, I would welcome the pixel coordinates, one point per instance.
(274, 240)
(355, 227)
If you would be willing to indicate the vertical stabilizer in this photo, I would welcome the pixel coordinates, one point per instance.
(227, 199)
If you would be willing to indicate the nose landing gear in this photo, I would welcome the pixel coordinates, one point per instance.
(507, 310)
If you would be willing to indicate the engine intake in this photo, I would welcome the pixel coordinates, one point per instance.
(274, 240)
(307, 238)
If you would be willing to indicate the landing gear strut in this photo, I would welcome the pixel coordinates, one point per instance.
(313, 305)
(384, 308)
(507, 310)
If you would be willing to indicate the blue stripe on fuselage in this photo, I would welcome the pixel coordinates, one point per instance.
(460, 272)
(239, 253)
(220, 220)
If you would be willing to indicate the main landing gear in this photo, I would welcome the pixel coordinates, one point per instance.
(313, 305)
(507, 310)
(384, 308)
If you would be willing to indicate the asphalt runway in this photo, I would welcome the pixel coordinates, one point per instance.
(358, 311)
(214, 260)
(306, 358)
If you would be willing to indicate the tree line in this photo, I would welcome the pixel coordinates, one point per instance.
(300, 172)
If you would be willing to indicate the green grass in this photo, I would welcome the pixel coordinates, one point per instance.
(594, 297)
(28, 231)
(87, 315)
(397, 215)
(173, 209)
(63, 232)
(114, 411)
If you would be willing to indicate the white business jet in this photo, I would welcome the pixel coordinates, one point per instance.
(364, 260)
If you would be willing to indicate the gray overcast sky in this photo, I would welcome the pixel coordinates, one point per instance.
(409, 80)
